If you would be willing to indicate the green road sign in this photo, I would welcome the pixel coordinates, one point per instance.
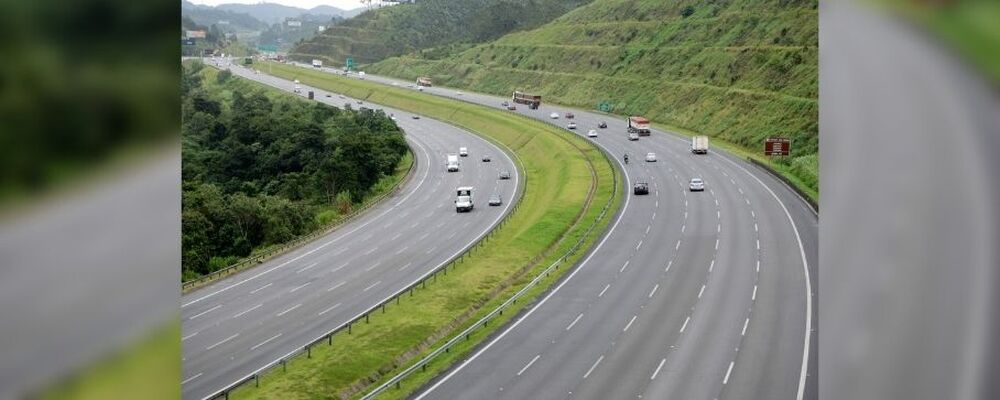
(350, 64)
(604, 106)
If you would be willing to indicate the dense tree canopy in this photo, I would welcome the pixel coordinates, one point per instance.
(258, 167)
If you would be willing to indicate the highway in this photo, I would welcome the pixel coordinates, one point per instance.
(691, 295)
(246, 321)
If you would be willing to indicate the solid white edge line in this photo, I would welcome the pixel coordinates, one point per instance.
(805, 267)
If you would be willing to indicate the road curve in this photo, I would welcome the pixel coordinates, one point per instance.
(688, 296)
(239, 324)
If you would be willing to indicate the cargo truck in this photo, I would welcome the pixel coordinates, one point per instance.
(453, 163)
(699, 144)
(463, 202)
(424, 81)
(318, 63)
(638, 125)
(533, 101)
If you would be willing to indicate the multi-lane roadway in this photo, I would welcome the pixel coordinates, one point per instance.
(244, 322)
(691, 295)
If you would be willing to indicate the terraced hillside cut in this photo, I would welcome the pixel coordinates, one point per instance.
(741, 70)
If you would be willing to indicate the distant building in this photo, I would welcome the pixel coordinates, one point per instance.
(223, 22)
(195, 34)
(293, 22)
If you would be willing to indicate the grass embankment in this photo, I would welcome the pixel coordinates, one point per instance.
(737, 71)
(568, 182)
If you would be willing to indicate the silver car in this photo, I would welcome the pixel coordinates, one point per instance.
(697, 185)
(495, 200)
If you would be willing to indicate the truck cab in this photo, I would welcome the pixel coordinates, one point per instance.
(463, 200)
(452, 163)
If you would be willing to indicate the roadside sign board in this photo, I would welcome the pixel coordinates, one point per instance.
(777, 146)
(187, 42)
(604, 106)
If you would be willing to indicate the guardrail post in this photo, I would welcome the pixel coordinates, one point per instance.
(329, 339)
(366, 319)
(349, 326)
(256, 380)
(309, 352)
(397, 300)
(284, 368)
(383, 308)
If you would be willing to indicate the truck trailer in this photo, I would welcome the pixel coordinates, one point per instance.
(638, 125)
(317, 63)
(533, 101)
(699, 144)
(424, 81)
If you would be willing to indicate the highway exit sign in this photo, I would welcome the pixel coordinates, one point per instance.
(777, 146)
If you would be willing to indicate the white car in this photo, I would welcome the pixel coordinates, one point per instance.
(591, 133)
(463, 151)
(554, 115)
(633, 136)
(571, 125)
(297, 89)
(697, 185)
(650, 157)
(458, 93)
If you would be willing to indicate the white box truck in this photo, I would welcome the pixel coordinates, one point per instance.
(453, 163)
(318, 63)
(464, 200)
(699, 144)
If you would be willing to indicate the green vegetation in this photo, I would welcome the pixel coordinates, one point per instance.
(261, 168)
(568, 182)
(377, 34)
(147, 369)
(739, 71)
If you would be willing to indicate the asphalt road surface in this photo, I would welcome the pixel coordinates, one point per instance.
(239, 324)
(691, 295)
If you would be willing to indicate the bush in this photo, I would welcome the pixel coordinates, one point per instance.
(687, 11)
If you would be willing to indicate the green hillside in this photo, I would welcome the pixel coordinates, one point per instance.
(390, 31)
(741, 70)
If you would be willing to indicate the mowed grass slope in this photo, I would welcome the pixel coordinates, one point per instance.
(740, 70)
(568, 183)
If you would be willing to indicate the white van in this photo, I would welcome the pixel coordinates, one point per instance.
(463, 151)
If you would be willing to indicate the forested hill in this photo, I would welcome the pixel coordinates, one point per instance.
(741, 70)
(389, 31)
(260, 168)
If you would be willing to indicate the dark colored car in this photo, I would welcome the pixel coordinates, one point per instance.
(511, 107)
(602, 124)
(640, 188)
(415, 116)
(569, 115)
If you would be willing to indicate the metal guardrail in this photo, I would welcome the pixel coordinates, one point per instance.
(484, 321)
(300, 240)
(422, 282)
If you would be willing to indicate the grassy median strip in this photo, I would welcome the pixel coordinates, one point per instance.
(568, 183)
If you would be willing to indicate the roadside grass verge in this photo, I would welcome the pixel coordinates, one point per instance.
(567, 183)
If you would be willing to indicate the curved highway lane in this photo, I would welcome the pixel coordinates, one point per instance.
(693, 295)
(236, 326)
